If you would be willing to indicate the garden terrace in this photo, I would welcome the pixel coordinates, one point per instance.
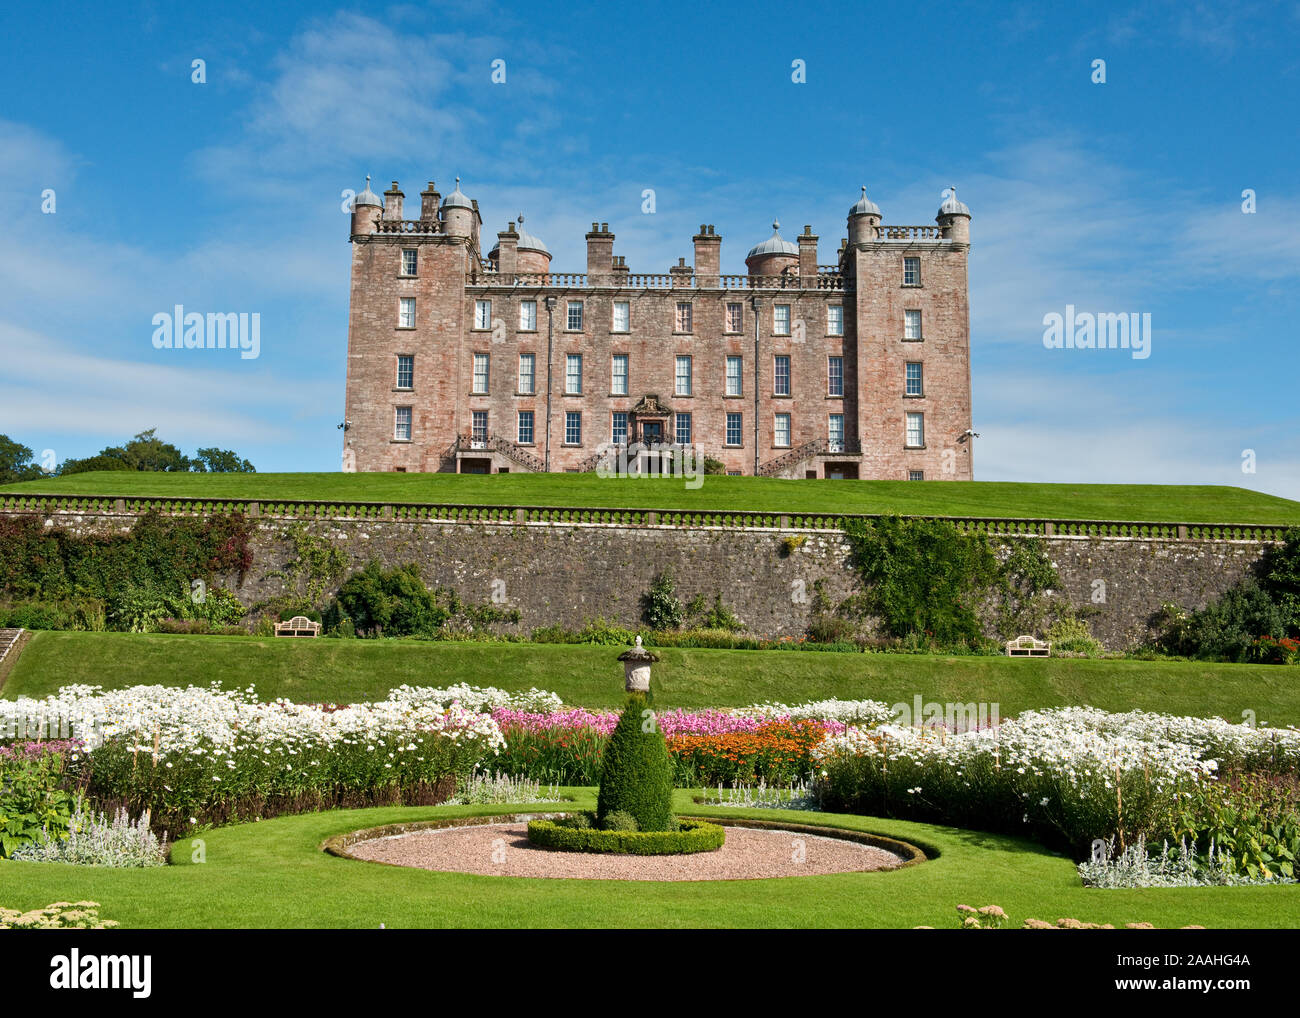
(1034, 505)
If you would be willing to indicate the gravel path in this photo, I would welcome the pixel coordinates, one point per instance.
(504, 850)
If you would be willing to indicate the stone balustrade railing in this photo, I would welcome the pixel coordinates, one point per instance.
(408, 226)
(657, 281)
(909, 233)
(741, 519)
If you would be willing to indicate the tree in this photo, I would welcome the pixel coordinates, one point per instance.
(146, 451)
(222, 461)
(16, 462)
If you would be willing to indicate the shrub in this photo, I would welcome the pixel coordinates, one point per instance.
(392, 602)
(662, 608)
(1071, 635)
(35, 805)
(1225, 629)
(619, 821)
(1279, 578)
(565, 834)
(93, 840)
(140, 609)
(923, 576)
(1024, 585)
(636, 773)
(717, 617)
(789, 545)
(604, 634)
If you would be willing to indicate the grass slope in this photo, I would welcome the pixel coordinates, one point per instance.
(326, 670)
(1140, 502)
(273, 874)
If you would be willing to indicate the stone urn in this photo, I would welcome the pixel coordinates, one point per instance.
(636, 668)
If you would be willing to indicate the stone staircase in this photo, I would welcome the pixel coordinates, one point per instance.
(8, 641)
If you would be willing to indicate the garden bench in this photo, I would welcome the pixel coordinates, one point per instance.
(299, 625)
(1027, 646)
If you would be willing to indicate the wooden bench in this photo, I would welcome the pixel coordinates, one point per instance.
(299, 625)
(1027, 646)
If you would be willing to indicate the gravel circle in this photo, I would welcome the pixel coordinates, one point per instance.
(504, 850)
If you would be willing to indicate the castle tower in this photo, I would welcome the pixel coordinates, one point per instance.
(864, 218)
(954, 218)
(458, 214)
(366, 209)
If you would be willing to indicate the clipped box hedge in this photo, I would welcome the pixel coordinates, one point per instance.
(693, 836)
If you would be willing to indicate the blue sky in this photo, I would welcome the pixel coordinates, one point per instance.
(225, 196)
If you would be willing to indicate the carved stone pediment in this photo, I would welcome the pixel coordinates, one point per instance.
(649, 406)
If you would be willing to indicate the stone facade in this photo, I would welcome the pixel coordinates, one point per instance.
(568, 574)
(823, 350)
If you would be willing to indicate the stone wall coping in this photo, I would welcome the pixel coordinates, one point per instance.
(716, 519)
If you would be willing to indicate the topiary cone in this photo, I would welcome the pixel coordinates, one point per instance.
(637, 773)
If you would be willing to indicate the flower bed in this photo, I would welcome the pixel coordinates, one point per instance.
(707, 747)
(199, 756)
(1069, 776)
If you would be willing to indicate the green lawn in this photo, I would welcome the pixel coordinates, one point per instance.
(273, 874)
(1138, 502)
(326, 670)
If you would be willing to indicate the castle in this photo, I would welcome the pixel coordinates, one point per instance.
(463, 362)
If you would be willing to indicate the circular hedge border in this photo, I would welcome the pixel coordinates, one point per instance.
(693, 836)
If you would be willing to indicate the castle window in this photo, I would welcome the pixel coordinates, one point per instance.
(682, 432)
(835, 320)
(683, 376)
(525, 427)
(405, 371)
(913, 379)
(618, 427)
(402, 424)
(573, 374)
(478, 426)
(835, 376)
(574, 320)
(480, 374)
(916, 431)
(781, 376)
(916, 475)
(527, 374)
(409, 261)
(911, 271)
(835, 433)
(682, 323)
(781, 434)
(735, 424)
(622, 316)
(618, 375)
(735, 381)
(482, 314)
(911, 324)
(573, 427)
(781, 319)
(735, 317)
(406, 312)
(528, 316)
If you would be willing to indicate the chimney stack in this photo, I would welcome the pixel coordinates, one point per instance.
(708, 256)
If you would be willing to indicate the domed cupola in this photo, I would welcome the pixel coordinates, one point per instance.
(864, 217)
(368, 197)
(865, 206)
(534, 255)
(954, 219)
(951, 206)
(457, 200)
(458, 214)
(774, 256)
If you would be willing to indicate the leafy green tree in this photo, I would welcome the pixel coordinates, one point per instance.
(222, 461)
(16, 462)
